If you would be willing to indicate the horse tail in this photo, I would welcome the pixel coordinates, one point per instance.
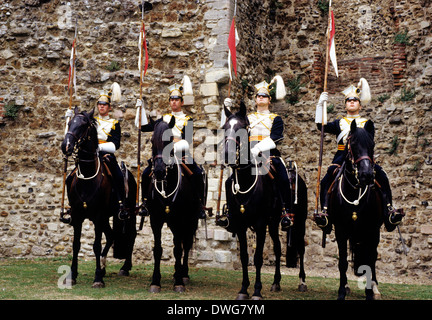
(125, 229)
(296, 234)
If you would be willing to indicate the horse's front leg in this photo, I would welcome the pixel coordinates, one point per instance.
(187, 246)
(343, 267)
(155, 286)
(178, 269)
(258, 262)
(274, 234)
(109, 235)
(97, 249)
(244, 258)
(76, 246)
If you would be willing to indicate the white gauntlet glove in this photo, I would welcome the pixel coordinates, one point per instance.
(144, 121)
(265, 145)
(107, 147)
(320, 108)
(181, 146)
(228, 103)
(69, 113)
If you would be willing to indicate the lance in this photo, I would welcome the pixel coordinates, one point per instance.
(229, 95)
(71, 88)
(142, 58)
(317, 195)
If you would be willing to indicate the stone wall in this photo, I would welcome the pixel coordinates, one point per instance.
(189, 37)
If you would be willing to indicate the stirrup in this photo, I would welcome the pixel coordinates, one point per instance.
(321, 219)
(287, 220)
(66, 217)
(395, 215)
(123, 213)
(222, 221)
(142, 209)
(202, 214)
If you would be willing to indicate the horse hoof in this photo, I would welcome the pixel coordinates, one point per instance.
(347, 291)
(98, 285)
(257, 298)
(186, 280)
(275, 288)
(302, 288)
(242, 296)
(155, 289)
(179, 289)
(69, 282)
(123, 273)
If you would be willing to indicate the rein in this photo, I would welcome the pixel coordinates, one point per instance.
(176, 189)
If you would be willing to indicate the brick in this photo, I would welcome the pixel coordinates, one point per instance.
(426, 229)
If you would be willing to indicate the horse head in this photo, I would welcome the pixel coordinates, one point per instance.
(81, 134)
(360, 146)
(162, 137)
(236, 141)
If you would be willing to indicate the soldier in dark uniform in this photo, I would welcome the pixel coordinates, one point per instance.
(109, 136)
(183, 123)
(355, 98)
(266, 129)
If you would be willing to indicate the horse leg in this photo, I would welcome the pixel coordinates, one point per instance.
(155, 286)
(178, 274)
(187, 246)
(76, 246)
(244, 258)
(274, 234)
(109, 235)
(302, 275)
(371, 290)
(258, 262)
(343, 267)
(97, 249)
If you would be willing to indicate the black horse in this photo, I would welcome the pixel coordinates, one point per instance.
(356, 209)
(253, 202)
(90, 190)
(171, 199)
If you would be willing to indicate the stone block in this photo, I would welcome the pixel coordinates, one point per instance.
(223, 256)
(209, 89)
(221, 235)
(426, 229)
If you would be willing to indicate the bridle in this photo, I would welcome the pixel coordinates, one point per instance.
(78, 148)
(354, 161)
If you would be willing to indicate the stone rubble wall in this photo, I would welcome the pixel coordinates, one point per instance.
(189, 37)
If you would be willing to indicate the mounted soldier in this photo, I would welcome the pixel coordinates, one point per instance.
(109, 136)
(182, 138)
(265, 130)
(355, 98)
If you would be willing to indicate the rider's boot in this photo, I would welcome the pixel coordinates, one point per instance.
(142, 210)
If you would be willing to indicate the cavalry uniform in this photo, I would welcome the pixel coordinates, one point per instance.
(341, 128)
(109, 136)
(266, 129)
(181, 122)
(182, 140)
(108, 130)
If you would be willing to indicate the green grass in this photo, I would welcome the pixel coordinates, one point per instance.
(37, 280)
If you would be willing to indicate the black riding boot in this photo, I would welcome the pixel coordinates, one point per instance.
(392, 217)
(145, 186)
